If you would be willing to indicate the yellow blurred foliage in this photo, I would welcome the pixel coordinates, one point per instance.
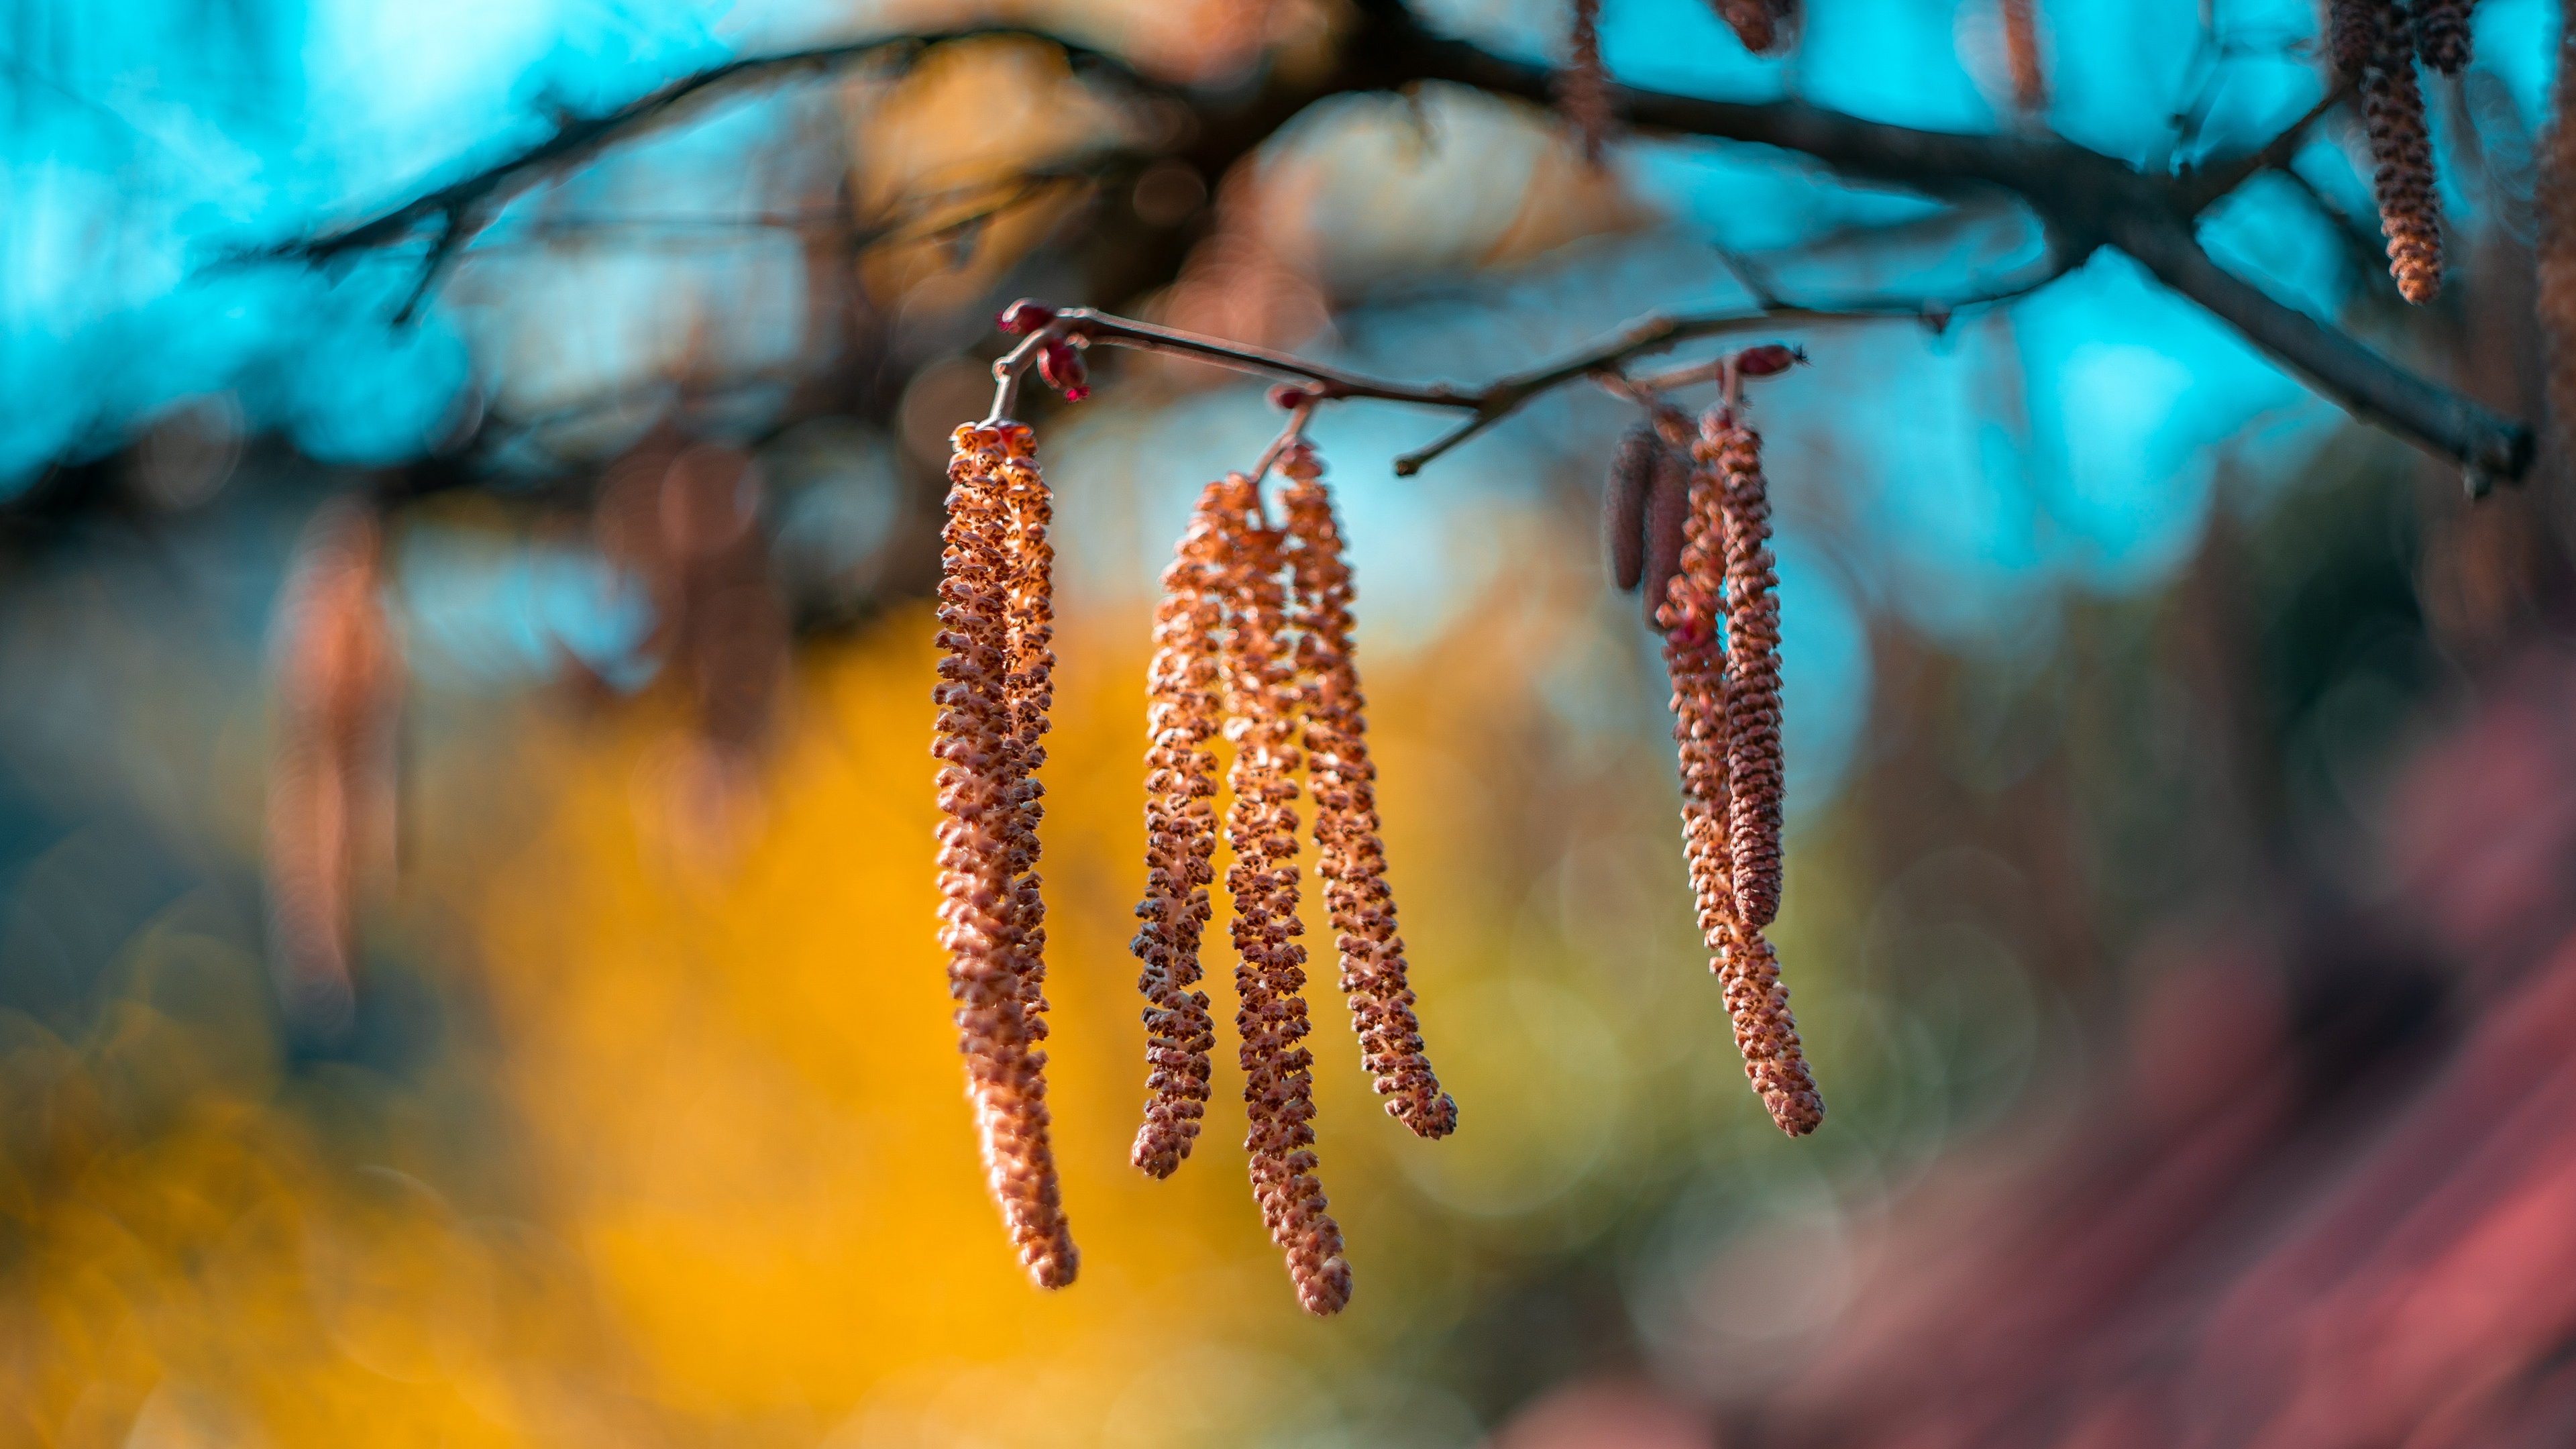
(687, 1158)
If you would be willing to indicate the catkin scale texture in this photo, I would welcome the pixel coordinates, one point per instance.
(2401, 154)
(2442, 34)
(1261, 825)
(993, 574)
(1350, 857)
(1724, 575)
(1754, 773)
(1183, 709)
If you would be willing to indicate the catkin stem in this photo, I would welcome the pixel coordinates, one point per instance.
(994, 577)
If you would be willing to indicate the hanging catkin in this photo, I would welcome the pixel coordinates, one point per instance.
(2352, 33)
(1583, 87)
(2402, 157)
(1350, 857)
(2555, 202)
(330, 787)
(1181, 715)
(1278, 1086)
(1726, 722)
(2021, 55)
(1753, 769)
(2442, 34)
(993, 579)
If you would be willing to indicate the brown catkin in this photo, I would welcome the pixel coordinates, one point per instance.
(2442, 34)
(1278, 1080)
(2352, 33)
(1690, 615)
(1764, 26)
(1623, 504)
(1753, 767)
(1583, 87)
(2555, 202)
(2402, 157)
(1708, 716)
(1183, 706)
(1350, 857)
(2021, 55)
(993, 573)
(330, 786)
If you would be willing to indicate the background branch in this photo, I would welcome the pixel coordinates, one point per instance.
(2086, 199)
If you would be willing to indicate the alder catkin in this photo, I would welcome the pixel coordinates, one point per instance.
(1753, 766)
(2554, 200)
(2352, 33)
(1181, 715)
(2442, 34)
(2402, 157)
(1623, 504)
(992, 574)
(1583, 87)
(1667, 510)
(1278, 1081)
(2021, 55)
(1708, 717)
(1764, 26)
(1349, 855)
(330, 784)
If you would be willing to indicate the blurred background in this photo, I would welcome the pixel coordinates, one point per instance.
(2182, 894)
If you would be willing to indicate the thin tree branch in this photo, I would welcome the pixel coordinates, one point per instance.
(2203, 189)
(2086, 199)
(1314, 382)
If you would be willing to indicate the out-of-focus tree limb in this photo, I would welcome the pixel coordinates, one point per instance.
(2088, 200)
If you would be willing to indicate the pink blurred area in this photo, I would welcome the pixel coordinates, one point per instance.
(2216, 1250)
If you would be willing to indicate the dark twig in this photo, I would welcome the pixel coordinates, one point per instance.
(1315, 382)
(2202, 189)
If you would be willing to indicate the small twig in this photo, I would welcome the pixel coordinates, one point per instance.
(1301, 406)
(2205, 188)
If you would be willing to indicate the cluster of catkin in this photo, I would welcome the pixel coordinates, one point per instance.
(996, 628)
(1711, 589)
(2377, 42)
(331, 779)
(1253, 639)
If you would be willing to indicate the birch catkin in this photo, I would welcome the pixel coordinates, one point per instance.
(1350, 857)
(2402, 158)
(330, 786)
(1181, 715)
(1278, 1086)
(992, 572)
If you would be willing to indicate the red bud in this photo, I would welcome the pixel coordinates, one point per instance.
(1024, 317)
(1063, 369)
(1764, 361)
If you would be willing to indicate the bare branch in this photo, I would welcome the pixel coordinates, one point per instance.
(2086, 200)
(2204, 189)
(1314, 382)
